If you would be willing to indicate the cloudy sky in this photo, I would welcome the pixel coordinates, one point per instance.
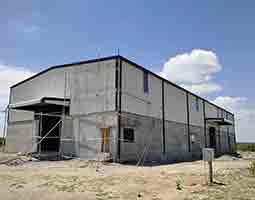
(204, 46)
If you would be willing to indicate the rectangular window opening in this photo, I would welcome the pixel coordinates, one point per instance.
(197, 104)
(129, 135)
(145, 82)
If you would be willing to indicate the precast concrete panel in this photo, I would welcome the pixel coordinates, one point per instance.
(197, 141)
(134, 98)
(93, 88)
(20, 115)
(68, 140)
(196, 116)
(20, 137)
(210, 111)
(176, 141)
(175, 104)
(88, 129)
(147, 145)
(54, 83)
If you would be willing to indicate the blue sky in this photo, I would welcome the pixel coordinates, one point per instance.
(37, 34)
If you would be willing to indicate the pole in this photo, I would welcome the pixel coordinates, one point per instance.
(62, 132)
(5, 128)
(210, 172)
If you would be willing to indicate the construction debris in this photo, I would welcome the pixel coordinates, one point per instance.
(17, 160)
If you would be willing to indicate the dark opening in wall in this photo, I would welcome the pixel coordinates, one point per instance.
(129, 135)
(145, 82)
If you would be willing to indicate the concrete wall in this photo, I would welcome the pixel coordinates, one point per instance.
(20, 115)
(148, 139)
(19, 137)
(176, 141)
(175, 104)
(149, 106)
(210, 110)
(93, 88)
(134, 99)
(90, 135)
(196, 114)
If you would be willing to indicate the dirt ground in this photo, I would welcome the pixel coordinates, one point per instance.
(78, 179)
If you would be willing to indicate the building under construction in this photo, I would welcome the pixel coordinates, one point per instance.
(116, 108)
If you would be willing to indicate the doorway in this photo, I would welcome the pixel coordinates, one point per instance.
(50, 126)
(212, 136)
(105, 140)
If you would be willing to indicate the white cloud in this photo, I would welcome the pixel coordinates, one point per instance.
(244, 116)
(203, 88)
(9, 75)
(194, 71)
(231, 103)
(198, 66)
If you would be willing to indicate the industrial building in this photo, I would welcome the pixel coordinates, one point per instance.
(115, 108)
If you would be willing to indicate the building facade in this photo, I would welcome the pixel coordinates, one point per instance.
(114, 107)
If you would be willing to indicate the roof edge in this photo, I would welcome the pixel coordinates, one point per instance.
(65, 65)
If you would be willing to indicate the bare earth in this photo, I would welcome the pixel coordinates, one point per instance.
(77, 179)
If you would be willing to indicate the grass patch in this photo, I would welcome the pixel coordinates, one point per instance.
(246, 147)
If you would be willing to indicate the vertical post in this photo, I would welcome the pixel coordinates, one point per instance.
(210, 172)
(219, 139)
(204, 123)
(6, 112)
(63, 118)
(234, 129)
(208, 155)
(229, 144)
(118, 102)
(163, 118)
(40, 133)
(187, 101)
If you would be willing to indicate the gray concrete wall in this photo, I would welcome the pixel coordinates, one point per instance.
(87, 136)
(148, 139)
(19, 137)
(149, 105)
(134, 99)
(176, 141)
(175, 104)
(196, 116)
(93, 88)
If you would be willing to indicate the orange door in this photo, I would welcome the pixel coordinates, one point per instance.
(105, 139)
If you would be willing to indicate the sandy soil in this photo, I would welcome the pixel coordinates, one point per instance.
(77, 179)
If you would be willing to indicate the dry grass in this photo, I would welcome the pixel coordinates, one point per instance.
(76, 179)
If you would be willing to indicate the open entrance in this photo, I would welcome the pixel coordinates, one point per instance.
(48, 113)
(50, 126)
(212, 137)
(105, 140)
